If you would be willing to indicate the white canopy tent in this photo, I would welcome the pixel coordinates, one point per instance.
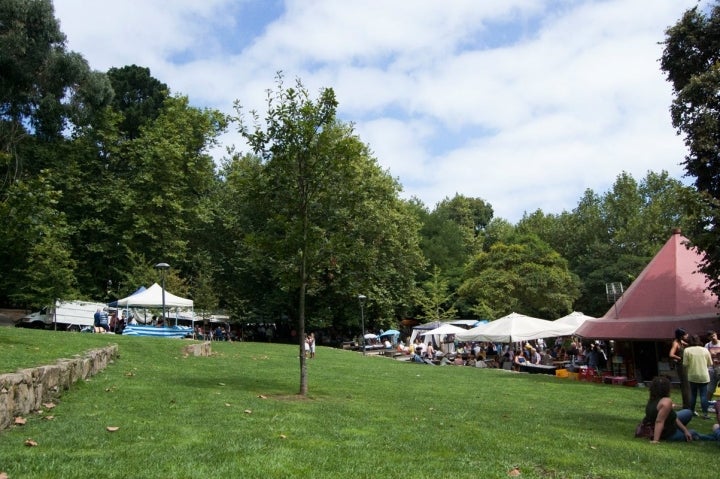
(574, 319)
(515, 327)
(439, 335)
(152, 298)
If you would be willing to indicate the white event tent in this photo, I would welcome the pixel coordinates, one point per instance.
(514, 328)
(152, 298)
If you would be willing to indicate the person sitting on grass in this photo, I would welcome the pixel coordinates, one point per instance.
(669, 425)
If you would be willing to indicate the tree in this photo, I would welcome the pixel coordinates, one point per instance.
(323, 220)
(138, 96)
(35, 252)
(435, 301)
(44, 89)
(524, 276)
(691, 61)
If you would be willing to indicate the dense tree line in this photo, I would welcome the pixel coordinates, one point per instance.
(105, 174)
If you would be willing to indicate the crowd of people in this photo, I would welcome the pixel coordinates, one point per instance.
(697, 364)
(509, 356)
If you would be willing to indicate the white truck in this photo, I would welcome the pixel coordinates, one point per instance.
(63, 315)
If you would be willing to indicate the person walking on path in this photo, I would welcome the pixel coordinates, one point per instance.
(676, 359)
(696, 361)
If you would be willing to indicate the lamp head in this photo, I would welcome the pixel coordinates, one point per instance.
(162, 266)
(361, 298)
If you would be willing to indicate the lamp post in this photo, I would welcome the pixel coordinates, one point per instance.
(361, 299)
(163, 267)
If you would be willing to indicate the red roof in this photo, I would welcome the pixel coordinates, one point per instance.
(669, 293)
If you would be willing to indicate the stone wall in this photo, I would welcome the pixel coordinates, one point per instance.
(26, 390)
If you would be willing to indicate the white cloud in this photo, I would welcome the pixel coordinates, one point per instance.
(522, 103)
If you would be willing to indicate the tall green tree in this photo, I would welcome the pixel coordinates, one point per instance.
(36, 254)
(326, 220)
(44, 89)
(139, 97)
(525, 276)
(691, 61)
(435, 299)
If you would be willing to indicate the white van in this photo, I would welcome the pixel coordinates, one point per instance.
(64, 315)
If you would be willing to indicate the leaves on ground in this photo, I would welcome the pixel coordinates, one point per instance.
(3, 475)
(49, 405)
(20, 421)
(514, 472)
(30, 443)
(112, 428)
(248, 411)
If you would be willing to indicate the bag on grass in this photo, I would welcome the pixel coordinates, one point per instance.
(645, 430)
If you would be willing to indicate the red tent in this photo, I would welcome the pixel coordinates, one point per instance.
(669, 293)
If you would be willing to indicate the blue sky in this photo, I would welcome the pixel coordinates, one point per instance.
(523, 103)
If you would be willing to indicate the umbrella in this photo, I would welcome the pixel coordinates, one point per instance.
(370, 336)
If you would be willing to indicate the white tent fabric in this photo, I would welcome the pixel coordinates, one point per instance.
(439, 336)
(424, 327)
(443, 330)
(513, 328)
(152, 298)
(574, 319)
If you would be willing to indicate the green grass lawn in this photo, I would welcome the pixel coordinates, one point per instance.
(236, 415)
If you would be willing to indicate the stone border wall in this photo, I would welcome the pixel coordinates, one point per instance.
(26, 390)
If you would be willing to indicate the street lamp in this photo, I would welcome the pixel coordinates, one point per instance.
(361, 299)
(163, 267)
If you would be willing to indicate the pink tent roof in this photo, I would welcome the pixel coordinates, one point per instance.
(669, 293)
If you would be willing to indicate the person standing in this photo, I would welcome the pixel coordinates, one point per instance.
(713, 346)
(100, 321)
(676, 359)
(696, 361)
(311, 343)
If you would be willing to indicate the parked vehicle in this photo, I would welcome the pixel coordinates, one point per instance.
(63, 315)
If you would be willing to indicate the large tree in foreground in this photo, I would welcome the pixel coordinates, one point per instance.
(322, 219)
(691, 60)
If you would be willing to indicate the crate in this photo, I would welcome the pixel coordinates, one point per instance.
(561, 373)
(573, 375)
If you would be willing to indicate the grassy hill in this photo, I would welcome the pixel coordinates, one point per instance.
(236, 414)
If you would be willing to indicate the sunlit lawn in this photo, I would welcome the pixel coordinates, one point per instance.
(236, 414)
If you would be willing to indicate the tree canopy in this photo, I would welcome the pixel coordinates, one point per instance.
(691, 61)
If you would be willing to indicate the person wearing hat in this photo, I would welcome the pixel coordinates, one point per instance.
(676, 353)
